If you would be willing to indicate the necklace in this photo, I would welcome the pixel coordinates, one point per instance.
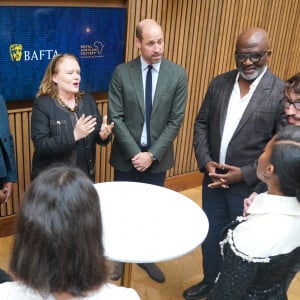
(63, 104)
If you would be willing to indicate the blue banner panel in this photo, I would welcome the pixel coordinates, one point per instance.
(31, 36)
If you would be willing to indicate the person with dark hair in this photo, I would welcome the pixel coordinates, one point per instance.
(240, 113)
(291, 103)
(146, 101)
(58, 251)
(8, 170)
(260, 250)
(66, 123)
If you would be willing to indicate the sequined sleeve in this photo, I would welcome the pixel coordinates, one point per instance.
(235, 277)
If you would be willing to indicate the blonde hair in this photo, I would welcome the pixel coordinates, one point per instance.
(48, 87)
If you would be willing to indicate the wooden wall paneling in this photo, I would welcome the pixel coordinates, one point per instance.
(168, 28)
(163, 20)
(276, 40)
(198, 64)
(26, 150)
(191, 45)
(224, 53)
(176, 57)
(200, 35)
(282, 37)
(102, 169)
(19, 145)
(292, 52)
(181, 155)
(158, 14)
(130, 31)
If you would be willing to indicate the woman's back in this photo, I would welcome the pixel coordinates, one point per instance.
(18, 291)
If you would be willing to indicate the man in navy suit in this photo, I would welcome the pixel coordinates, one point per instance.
(240, 113)
(142, 150)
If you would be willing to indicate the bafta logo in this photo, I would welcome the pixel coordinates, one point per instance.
(15, 51)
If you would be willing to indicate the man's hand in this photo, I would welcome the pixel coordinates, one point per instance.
(247, 202)
(230, 174)
(142, 161)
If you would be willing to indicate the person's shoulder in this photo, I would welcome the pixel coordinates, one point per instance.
(14, 290)
(111, 291)
(43, 102)
(226, 77)
(129, 64)
(228, 74)
(271, 76)
(171, 64)
(43, 99)
(88, 96)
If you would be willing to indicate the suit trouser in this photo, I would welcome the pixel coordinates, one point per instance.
(221, 207)
(144, 177)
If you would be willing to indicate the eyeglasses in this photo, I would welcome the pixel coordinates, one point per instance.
(287, 103)
(254, 57)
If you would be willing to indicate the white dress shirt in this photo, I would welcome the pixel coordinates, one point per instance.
(17, 291)
(235, 111)
(155, 72)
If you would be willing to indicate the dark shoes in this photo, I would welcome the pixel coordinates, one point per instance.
(153, 271)
(198, 291)
(117, 271)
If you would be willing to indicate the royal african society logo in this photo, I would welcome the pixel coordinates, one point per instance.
(17, 53)
(94, 50)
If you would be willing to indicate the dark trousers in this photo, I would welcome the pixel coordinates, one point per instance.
(144, 177)
(221, 207)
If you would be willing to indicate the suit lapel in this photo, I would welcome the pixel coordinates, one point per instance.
(226, 93)
(259, 95)
(135, 73)
(162, 81)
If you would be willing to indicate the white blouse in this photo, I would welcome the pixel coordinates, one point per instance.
(272, 227)
(16, 291)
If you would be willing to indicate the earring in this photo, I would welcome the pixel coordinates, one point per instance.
(266, 175)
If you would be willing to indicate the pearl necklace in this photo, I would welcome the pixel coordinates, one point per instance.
(63, 104)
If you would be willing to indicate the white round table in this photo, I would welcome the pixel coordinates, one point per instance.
(147, 223)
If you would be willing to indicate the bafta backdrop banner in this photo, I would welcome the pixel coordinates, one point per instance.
(31, 36)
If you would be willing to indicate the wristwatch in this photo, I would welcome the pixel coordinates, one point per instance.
(152, 156)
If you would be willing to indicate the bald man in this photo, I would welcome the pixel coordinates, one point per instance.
(143, 151)
(240, 113)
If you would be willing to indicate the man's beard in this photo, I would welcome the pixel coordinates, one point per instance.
(254, 75)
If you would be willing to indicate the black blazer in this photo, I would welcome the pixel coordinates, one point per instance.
(263, 117)
(52, 129)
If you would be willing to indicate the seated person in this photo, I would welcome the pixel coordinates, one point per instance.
(260, 250)
(58, 252)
